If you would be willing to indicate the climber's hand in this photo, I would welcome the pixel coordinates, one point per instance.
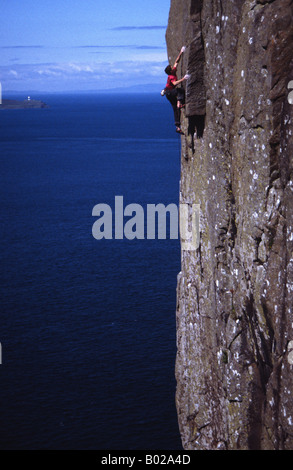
(187, 76)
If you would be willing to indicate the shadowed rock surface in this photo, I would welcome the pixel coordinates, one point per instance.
(234, 366)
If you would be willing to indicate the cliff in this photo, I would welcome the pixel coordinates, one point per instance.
(234, 366)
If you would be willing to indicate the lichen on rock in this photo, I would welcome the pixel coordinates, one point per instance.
(234, 366)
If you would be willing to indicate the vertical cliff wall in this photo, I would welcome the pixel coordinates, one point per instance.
(234, 366)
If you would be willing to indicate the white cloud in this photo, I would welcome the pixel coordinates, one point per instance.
(80, 67)
(49, 72)
(82, 75)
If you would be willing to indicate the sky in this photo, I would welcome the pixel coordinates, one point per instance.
(80, 45)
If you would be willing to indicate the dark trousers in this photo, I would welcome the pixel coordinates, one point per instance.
(177, 94)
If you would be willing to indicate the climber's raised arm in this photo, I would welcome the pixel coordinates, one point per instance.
(179, 57)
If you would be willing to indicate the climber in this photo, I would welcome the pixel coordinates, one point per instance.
(175, 96)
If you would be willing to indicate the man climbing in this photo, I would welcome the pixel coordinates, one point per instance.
(175, 96)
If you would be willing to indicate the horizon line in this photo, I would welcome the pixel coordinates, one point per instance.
(136, 89)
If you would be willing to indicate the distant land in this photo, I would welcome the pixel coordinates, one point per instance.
(24, 104)
(15, 103)
(144, 88)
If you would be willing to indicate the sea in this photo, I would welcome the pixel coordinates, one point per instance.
(88, 327)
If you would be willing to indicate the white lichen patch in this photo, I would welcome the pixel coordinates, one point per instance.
(290, 352)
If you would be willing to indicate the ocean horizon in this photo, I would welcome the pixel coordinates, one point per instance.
(147, 88)
(88, 327)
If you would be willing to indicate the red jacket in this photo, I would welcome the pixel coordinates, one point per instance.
(171, 78)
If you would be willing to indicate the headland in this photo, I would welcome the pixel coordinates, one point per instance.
(24, 104)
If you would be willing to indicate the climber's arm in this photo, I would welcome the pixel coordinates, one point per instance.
(179, 57)
(175, 83)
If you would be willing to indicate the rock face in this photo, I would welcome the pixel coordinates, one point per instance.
(234, 366)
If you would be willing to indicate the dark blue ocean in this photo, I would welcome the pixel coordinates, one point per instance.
(88, 330)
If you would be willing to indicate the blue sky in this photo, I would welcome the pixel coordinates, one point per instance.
(57, 45)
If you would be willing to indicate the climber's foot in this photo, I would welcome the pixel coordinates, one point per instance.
(179, 131)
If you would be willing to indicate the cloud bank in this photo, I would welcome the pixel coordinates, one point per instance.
(81, 76)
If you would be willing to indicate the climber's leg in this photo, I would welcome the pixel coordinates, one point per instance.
(172, 98)
(180, 97)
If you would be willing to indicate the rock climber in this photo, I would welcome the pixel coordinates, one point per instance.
(176, 96)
